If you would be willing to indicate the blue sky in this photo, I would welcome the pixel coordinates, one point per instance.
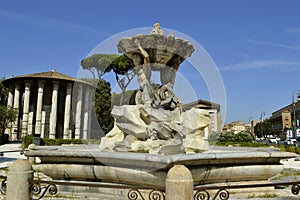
(254, 44)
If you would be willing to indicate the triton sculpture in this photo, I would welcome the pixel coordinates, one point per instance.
(156, 124)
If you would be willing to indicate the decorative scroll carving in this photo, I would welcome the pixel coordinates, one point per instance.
(135, 194)
(295, 189)
(201, 195)
(40, 190)
(3, 187)
(204, 195)
(156, 195)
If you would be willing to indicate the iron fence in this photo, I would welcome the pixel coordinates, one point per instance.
(201, 192)
(13, 151)
(39, 188)
(3, 185)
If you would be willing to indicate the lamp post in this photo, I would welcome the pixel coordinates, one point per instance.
(261, 124)
(294, 123)
(250, 122)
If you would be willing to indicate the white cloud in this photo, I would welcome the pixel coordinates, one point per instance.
(264, 64)
(273, 44)
(48, 23)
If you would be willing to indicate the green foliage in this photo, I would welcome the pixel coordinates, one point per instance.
(7, 115)
(98, 63)
(3, 93)
(242, 137)
(214, 137)
(60, 141)
(128, 98)
(226, 137)
(26, 141)
(262, 128)
(121, 65)
(290, 148)
(242, 144)
(103, 106)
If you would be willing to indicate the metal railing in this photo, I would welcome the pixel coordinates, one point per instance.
(12, 151)
(39, 188)
(3, 185)
(201, 192)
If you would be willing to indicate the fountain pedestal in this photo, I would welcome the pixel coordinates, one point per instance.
(220, 164)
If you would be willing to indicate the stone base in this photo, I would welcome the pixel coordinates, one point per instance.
(144, 129)
(215, 166)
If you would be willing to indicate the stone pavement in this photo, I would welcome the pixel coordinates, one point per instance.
(291, 166)
(8, 158)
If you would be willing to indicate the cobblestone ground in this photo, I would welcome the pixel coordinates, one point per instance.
(290, 173)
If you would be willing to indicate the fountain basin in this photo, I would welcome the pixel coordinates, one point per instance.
(220, 164)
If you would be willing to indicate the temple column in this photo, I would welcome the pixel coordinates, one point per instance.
(78, 112)
(16, 104)
(10, 104)
(67, 112)
(26, 109)
(86, 117)
(10, 96)
(92, 103)
(39, 107)
(53, 114)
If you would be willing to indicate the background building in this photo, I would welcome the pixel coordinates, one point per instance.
(286, 118)
(214, 113)
(50, 104)
(237, 127)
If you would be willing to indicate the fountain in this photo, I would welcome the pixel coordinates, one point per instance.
(154, 135)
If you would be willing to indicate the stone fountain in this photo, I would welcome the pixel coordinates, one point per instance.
(156, 124)
(154, 135)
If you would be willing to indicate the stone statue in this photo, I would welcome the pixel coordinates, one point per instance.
(156, 124)
(156, 29)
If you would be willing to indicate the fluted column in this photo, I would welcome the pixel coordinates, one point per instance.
(10, 96)
(53, 114)
(26, 109)
(10, 104)
(86, 117)
(39, 107)
(92, 105)
(16, 107)
(78, 112)
(67, 112)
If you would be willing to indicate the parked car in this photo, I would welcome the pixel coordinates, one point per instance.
(291, 141)
(274, 140)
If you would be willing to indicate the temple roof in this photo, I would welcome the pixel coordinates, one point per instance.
(45, 75)
(203, 104)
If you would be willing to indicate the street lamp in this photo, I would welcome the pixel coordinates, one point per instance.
(294, 123)
(261, 124)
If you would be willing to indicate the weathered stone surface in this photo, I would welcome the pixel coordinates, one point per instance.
(140, 128)
(17, 180)
(156, 124)
(108, 142)
(128, 120)
(180, 182)
(220, 164)
(194, 122)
